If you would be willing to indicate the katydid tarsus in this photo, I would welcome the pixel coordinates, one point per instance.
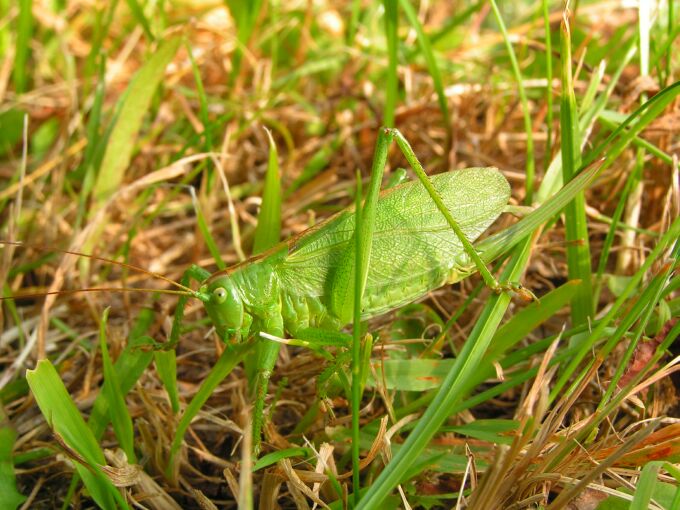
(420, 232)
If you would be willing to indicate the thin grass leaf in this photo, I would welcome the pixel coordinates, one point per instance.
(268, 230)
(391, 85)
(203, 227)
(118, 412)
(231, 357)
(432, 67)
(166, 367)
(202, 98)
(129, 366)
(286, 453)
(65, 419)
(138, 13)
(10, 497)
(103, 18)
(528, 128)
(22, 50)
(355, 10)
(545, 4)
(578, 247)
(451, 391)
(245, 16)
(360, 270)
(132, 110)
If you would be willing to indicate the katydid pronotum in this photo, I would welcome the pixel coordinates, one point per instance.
(420, 233)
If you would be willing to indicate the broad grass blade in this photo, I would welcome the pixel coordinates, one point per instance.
(10, 497)
(65, 419)
(268, 230)
(129, 121)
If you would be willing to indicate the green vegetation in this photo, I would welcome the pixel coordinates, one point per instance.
(158, 137)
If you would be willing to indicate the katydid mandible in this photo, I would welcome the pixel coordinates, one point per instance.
(420, 232)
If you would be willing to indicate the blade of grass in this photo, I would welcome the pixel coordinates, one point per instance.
(129, 366)
(451, 391)
(103, 18)
(138, 14)
(65, 419)
(528, 128)
(268, 230)
(576, 223)
(133, 108)
(391, 87)
(202, 98)
(245, 16)
(549, 78)
(361, 267)
(433, 68)
(22, 49)
(118, 412)
(231, 357)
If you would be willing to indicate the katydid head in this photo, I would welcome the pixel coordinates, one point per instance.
(224, 305)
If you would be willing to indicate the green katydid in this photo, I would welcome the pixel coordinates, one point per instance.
(421, 234)
(306, 281)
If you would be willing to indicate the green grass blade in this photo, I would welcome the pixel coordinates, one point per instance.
(549, 78)
(342, 294)
(268, 230)
(120, 417)
(138, 14)
(129, 366)
(245, 16)
(645, 486)
(360, 269)
(272, 458)
(65, 419)
(669, 237)
(166, 367)
(433, 68)
(392, 83)
(22, 49)
(528, 128)
(129, 121)
(451, 391)
(202, 98)
(205, 231)
(10, 497)
(231, 357)
(578, 247)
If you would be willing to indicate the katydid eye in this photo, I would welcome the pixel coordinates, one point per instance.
(220, 294)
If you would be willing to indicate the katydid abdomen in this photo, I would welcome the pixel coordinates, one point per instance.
(289, 288)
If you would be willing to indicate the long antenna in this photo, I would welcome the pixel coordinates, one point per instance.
(101, 259)
(99, 289)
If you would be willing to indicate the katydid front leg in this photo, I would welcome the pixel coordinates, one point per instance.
(166, 360)
(267, 353)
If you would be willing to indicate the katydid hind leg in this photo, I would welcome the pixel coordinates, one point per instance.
(489, 279)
